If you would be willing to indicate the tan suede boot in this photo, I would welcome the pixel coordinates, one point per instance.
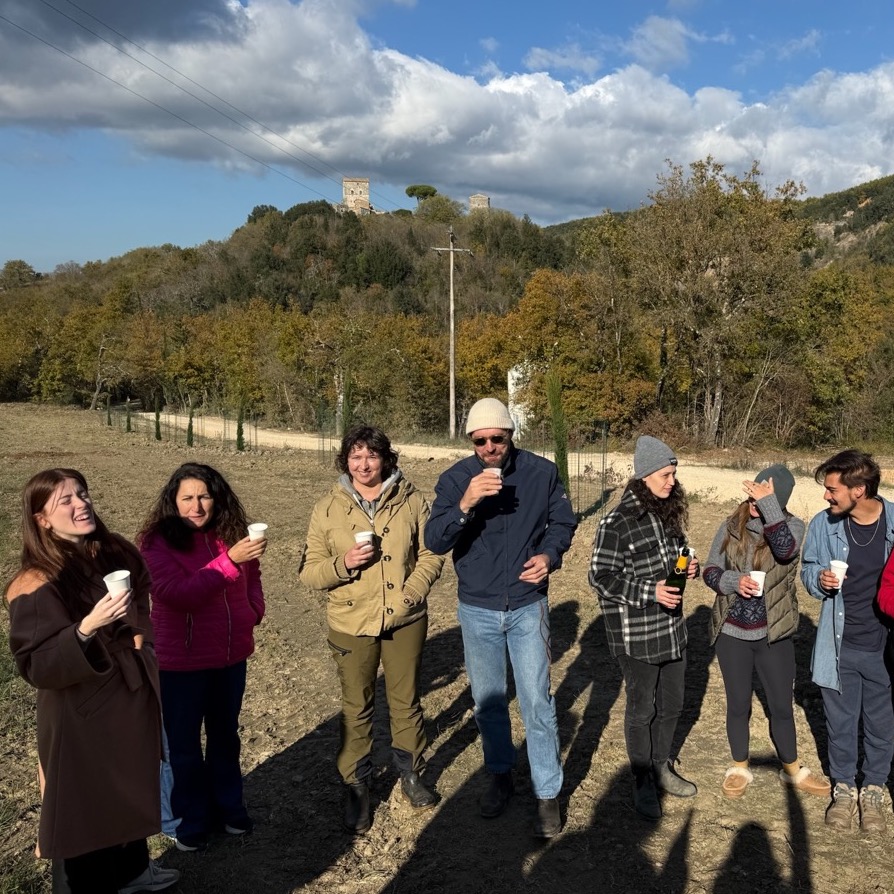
(805, 781)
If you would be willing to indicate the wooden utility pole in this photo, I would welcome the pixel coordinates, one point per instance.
(452, 250)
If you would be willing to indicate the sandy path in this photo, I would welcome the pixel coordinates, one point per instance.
(711, 483)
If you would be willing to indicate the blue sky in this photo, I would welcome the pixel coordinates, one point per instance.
(555, 110)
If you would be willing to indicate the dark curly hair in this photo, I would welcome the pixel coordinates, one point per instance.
(673, 511)
(375, 440)
(228, 518)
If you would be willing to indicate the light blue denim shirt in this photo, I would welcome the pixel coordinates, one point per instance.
(826, 540)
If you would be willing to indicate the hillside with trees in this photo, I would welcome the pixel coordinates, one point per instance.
(718, 313)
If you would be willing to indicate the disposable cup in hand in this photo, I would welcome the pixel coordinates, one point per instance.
(495, 470)
(839, 569)
(760, 577)
(257, 531)
(365, 538)
(117, 582)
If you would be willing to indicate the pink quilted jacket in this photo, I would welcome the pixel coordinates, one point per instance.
(204, 607)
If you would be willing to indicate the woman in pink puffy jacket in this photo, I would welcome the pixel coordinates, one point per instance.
(206, 601)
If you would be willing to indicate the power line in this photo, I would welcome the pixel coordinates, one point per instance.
(208, 105)
(160, 107)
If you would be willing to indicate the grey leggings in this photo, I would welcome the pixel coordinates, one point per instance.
(775, 666)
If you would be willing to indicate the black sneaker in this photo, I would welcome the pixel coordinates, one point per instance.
(243, 826)
(191, 842)
(495, 800)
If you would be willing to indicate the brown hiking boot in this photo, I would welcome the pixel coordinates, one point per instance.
(842, 812)
(873, 806)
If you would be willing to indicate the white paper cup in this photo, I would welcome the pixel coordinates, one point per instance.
(365, 537)
(117, 582)
(257, 531)
(760, 577)
(839, 569)
(495, 470)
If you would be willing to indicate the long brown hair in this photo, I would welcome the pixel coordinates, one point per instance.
(60, 560)
(672, 512)
(735, 548)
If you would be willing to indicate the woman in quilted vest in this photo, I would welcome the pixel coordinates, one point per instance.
(206, 601)
(753, 621)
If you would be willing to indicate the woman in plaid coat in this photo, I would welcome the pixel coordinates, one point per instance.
(636, 548)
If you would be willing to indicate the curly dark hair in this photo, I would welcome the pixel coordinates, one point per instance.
(375, 440)
(228, 519)
(672, 511)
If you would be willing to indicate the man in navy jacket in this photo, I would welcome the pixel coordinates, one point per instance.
(505, 515)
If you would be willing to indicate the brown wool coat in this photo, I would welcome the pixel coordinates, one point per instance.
(98, 715)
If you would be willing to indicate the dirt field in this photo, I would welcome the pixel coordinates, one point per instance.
(768, 841)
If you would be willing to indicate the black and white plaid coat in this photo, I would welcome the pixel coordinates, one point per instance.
(631, 554)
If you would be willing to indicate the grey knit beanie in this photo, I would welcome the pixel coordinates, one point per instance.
(650, 456)
(489, 413)
(783, 482)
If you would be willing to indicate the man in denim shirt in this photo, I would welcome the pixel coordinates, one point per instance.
(848, 656)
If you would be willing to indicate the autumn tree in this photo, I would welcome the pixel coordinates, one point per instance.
(714, 259)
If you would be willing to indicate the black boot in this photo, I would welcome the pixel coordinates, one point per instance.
(415, 793)
(670, 781)
(357, 818)
(548, 819)
(645, 796)
(495, 800)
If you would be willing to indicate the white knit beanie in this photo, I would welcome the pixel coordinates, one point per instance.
(489, 413)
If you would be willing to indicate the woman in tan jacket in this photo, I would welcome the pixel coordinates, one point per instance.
(365, 549)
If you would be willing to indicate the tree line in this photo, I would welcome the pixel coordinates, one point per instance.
(715, 314)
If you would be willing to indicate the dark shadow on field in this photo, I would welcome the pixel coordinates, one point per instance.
(597, 505)
(295, 796)
(699, 654)
(807, 694)
(609, 853)
(751, 866)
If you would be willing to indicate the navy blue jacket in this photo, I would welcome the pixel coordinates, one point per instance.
(530, 515)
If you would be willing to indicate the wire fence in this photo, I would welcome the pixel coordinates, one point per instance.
(590, 480)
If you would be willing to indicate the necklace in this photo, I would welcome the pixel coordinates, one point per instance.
(850, 531)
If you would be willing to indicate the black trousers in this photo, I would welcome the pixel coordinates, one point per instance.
(654, 704)
(775, 666)
(105, 871)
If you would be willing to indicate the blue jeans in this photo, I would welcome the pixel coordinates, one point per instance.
(207, 787)
(169, 822)
(866, 689)
(524, 633)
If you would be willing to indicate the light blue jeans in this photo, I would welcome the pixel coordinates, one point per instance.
(169, 822)
(488, 636)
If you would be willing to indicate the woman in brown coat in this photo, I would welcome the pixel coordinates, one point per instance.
(90, 656)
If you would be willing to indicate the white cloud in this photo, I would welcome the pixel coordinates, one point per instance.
(808, 43)
(490, 45)
(567, 58)
(533, 143)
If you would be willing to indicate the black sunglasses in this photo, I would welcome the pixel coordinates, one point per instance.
(494, 439)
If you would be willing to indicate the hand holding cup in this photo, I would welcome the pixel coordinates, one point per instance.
(362, 552)
(248, 548)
